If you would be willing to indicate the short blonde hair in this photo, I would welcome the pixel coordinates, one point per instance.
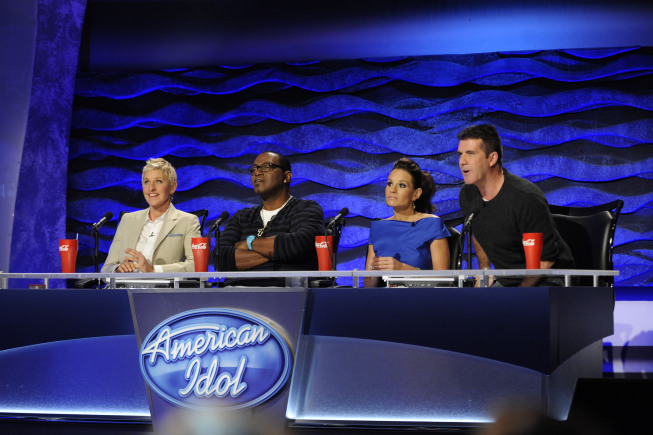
(164, 165)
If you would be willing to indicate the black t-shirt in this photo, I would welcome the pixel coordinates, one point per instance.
(519, 207)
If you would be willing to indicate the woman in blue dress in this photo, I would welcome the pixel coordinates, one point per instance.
(413, 237)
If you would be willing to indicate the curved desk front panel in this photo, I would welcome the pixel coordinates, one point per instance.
(445, 356)
(394, 356)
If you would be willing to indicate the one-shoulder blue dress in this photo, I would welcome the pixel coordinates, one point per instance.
(408, 243)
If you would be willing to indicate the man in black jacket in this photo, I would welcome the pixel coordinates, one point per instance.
(279, 234)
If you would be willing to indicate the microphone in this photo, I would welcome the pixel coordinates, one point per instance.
(107, 217)
(468, 221)
(223, 217)
(95, 234)
(344, 212)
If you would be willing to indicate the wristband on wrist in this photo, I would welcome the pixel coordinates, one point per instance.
(250, 239)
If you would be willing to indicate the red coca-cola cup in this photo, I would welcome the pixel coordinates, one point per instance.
(201, 248)
(68, 252)
(533, 249)
(324, 248)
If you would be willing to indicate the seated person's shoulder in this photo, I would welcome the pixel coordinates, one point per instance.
(245, 212)
(307, 206)
(185, 216)
(524, 186)
(529, 195)
(431, 217)
(431, 221)
(308, 203)
(132, 217)
(132, 214)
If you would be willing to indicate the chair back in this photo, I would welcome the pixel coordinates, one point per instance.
(589, 233)
(455, 253)
(201, 215)
(455, 244)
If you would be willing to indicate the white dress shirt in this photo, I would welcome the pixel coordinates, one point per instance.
(147, 239)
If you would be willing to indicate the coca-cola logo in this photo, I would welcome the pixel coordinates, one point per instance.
(528, 242)
(215, 357)
(198, 245)
(321, 245)
(63, 248)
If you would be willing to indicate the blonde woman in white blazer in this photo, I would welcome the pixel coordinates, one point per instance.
(157, 239)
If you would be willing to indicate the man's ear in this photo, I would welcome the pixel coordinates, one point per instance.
(287, 176)
(494, 158)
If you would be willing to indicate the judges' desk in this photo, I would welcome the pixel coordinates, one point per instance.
(446, 355)
(384, 356)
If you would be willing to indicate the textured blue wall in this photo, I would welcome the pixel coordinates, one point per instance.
(577, 123)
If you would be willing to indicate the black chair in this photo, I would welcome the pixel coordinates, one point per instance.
(201, 214)
(455, 243)
(589, 233)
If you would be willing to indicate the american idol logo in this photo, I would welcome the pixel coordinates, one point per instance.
(215, 358)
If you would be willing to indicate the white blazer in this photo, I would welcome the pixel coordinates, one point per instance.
(173, 246)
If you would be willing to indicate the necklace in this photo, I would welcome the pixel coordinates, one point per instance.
(260, 231)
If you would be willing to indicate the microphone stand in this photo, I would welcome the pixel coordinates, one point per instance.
(95, 235)
(328, 231)
(469, 247)
(466, 230)
(217, 248)
(216, 257)
(333, 250)
(331, 230)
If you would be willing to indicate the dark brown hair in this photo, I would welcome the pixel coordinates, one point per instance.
(490, 140)
(421, 180)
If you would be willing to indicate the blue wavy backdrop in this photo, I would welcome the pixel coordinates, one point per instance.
(577, 123)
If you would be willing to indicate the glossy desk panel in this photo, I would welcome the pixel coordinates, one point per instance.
(40, 316)
(537, 328)
(85, 378)
(74, 353)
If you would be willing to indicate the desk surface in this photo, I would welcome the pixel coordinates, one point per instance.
(299, 278)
